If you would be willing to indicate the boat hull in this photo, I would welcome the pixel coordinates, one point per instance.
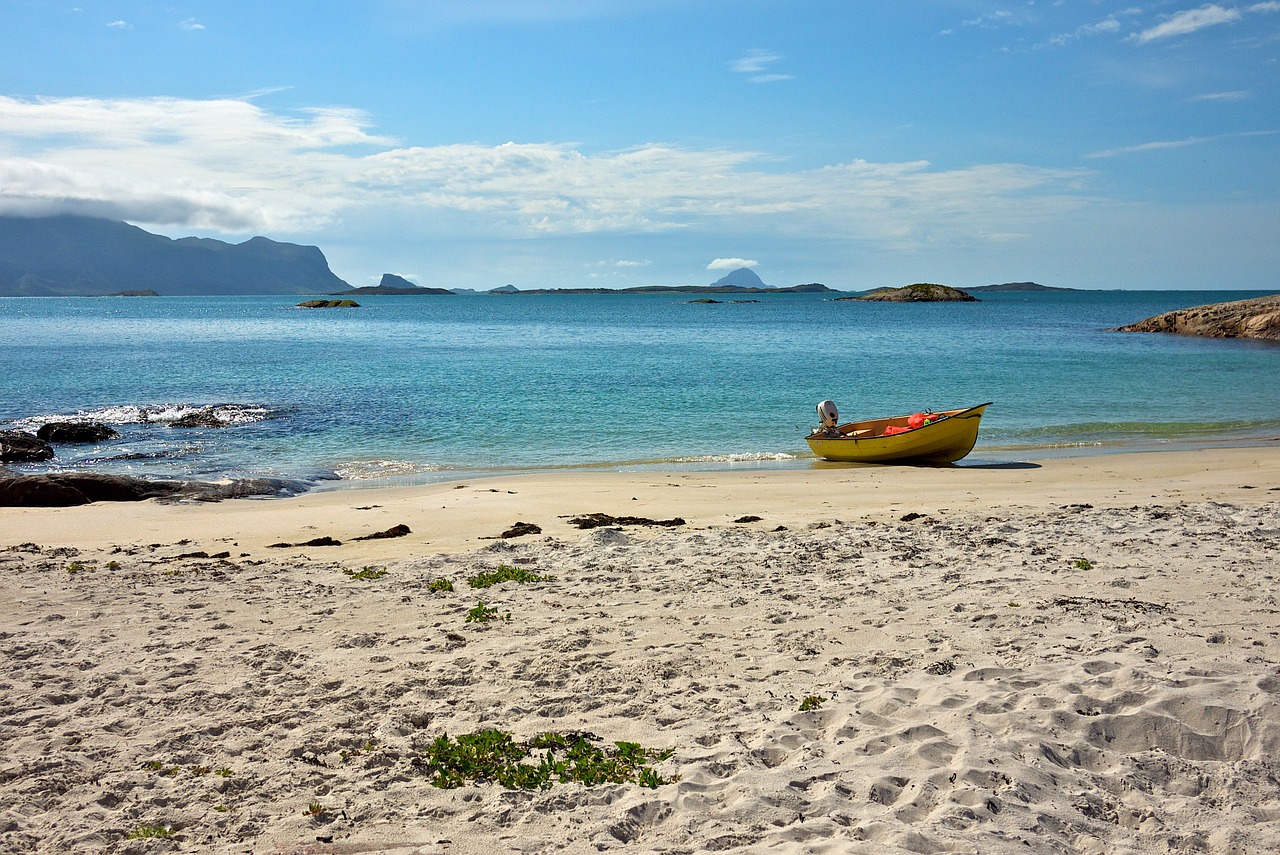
(943, 441)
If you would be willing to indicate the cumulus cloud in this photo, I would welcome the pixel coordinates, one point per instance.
(191, 25)
(1189, 21)
(732, 263)
(232, 166)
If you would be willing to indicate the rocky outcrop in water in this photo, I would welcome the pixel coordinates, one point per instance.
(198, 420)
(75, 432)
(328, 304)
(1258, 317)
(18, 446)
(921, 292)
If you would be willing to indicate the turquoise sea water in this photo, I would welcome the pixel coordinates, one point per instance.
(435, 387)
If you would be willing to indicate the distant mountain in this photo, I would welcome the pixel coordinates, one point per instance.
(743, 277)
(393, 284)
(79, 256)
(1019, 286)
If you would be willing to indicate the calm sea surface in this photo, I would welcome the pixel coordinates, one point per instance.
(438, 387)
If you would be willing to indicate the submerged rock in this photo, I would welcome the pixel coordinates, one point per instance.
(18, 446)
(75, 432)
(1258, 317)
(921, 292)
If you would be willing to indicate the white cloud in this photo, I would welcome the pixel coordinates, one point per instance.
(119, 25)
(1237, 95)
(1183, 143)
(1107, 25)
(191, 25)
(1271, 6)
(1184, 23)
(234, 167)
(732, 263)
(756, 63)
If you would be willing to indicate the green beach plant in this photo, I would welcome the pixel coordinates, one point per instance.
(316, 810)
(812, 702)
(483, 614)
(506, 573)
(440, 585)
(1083, 564)
(366, 573)
(494, 756)
(147, 832)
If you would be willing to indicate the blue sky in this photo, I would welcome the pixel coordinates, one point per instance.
(574, 143)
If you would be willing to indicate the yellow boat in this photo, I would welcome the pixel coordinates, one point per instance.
(942, 438)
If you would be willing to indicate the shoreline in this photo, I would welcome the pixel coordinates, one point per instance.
(453, 516)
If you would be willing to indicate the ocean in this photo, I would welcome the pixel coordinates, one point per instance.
(413, 389)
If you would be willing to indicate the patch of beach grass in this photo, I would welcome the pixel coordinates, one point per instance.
(506, 573)
(148, 832)
(366, 574)
(494, 756)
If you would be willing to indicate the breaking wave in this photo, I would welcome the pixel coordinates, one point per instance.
(140, 414)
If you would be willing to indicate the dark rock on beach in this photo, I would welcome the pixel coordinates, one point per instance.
(1258, 317)
(597, 520)
(324, 540)
(19, 446)
(921, 292)
(64, 489)
(395, 531)
(75, 432)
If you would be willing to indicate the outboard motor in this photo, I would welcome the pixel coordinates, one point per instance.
(828, 415)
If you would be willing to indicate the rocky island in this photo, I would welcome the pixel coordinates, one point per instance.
(920, 292)
(1258, 317)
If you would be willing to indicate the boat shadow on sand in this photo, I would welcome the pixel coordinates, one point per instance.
(994, 464)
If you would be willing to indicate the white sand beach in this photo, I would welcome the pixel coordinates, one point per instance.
(1072, 656)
